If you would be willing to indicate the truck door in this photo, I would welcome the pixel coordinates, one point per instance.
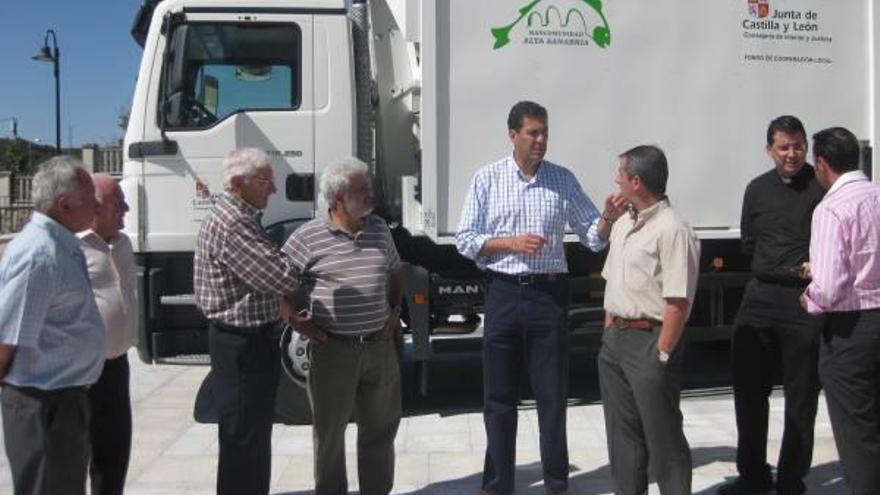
(227, 80)
(214, 80)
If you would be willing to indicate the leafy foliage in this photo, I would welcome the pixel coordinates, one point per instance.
(20, 157)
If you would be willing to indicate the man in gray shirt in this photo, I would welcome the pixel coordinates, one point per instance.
(351, 274)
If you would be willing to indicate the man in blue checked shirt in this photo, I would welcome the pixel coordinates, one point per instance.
(512, 226)
(51, 336)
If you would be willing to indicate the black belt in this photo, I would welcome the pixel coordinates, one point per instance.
(528, 278)
(271, 329)
(360, 338)
(39, 393)
(781, 282)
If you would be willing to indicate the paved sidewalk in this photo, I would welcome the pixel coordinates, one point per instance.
(436, 453)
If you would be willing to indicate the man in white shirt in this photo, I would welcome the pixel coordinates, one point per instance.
(112, 272)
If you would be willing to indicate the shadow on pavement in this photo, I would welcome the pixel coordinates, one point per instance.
(823, 479)
(455, 383)
(455, 380)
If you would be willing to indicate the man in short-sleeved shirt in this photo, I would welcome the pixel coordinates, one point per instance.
(51, 336)
(113, 274)
(651, 278)
(352, 279)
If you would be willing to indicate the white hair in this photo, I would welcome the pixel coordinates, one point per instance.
(56, 176)
(243, 162)
(335, 178)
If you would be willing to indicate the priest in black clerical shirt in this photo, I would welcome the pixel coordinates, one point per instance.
(773, 334)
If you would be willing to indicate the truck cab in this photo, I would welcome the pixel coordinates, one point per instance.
(215, 76)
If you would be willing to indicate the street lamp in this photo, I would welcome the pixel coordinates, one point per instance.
(46, 55)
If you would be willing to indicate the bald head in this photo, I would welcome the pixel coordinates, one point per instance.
(104, 185)
(111, 207)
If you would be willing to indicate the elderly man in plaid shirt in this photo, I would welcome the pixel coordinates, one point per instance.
(240, 277)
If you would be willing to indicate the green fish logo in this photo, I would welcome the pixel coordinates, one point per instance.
(601, 35)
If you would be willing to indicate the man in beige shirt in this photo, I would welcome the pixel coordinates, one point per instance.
(113, 274)
(651, 277)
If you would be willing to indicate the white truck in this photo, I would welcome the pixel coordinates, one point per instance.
(420, 89)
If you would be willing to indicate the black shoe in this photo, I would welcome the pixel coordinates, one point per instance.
(791, 490)
(740, 486)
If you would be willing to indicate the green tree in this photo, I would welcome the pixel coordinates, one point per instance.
(12, 157)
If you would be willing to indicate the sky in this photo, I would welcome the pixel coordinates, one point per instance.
(99, 64)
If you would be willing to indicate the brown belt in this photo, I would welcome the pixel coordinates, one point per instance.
(645, 324)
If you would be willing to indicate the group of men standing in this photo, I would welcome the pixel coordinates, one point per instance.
(812, 311)
(337, 280)
(67, 319)
(512, 226)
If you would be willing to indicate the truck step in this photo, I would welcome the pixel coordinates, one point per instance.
(178, 300)
(186, 359)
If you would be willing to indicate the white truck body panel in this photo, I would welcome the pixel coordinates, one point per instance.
(691, 76)
(700, 79)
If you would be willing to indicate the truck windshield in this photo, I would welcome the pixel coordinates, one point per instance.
(213, 70)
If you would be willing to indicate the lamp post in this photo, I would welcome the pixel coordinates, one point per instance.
(47, 55)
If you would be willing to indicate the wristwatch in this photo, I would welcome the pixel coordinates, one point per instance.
(663, 356)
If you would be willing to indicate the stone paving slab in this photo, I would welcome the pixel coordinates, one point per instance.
(436, 454)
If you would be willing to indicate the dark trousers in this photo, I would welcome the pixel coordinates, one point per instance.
(359, 378)
(643, 421)
(46, 435)
(245, 366)
(110, 429)
(526, 325)
(849, 367)
(787, 342)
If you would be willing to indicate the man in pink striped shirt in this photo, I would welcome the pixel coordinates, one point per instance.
(845, 266)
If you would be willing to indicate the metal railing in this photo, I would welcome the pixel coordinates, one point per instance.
(21, 191)
(13, 216)
(109, 160)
